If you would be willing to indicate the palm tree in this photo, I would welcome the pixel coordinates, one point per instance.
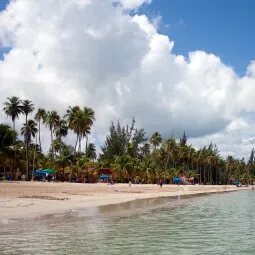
(169, 147)
(80, 121)
(145, 150)
(61, 130)
(29, 130)
(147, 168)
(7, 135)
(57, 144)
(123, 167)
(27, 107)
(72, 115)
(91, 151)
(89, 116)
(52, 120)
(156, 140)
(13, 108)
(40, 116)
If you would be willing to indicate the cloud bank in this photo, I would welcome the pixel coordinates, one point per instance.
(95, 53)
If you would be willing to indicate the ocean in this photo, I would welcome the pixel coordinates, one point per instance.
(212, 224)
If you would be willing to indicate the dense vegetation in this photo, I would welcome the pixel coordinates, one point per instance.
(127, 150)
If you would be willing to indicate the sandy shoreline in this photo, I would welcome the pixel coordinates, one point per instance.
(21, 200)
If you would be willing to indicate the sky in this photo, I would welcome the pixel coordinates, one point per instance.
(173, 65)
(3, 5)
(224, 28)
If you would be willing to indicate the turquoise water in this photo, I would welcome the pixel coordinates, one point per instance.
(215, 224)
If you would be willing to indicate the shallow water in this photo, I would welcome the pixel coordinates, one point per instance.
(215, 224)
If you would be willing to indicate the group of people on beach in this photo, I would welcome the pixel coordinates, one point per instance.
(160, 183)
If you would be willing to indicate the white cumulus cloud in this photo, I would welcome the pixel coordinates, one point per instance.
(133, 4)
(94, 53)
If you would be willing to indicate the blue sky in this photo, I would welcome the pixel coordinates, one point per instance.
(3, 4)
(225, 28)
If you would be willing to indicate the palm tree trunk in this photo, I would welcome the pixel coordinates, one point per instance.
(79, 149)
(74, 154)
(27, 151)
(39, 131)
(15, 151)
(211, 177)
(208, 174)
(34, 153)
(52, 145)
(60, 146)
(167, 160)
(86, 148)
(27, 158)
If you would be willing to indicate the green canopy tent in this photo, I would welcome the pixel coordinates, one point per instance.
(49, 171)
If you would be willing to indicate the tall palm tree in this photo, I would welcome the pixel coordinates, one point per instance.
(169, 147)
(72, 115)
(81, 127)
(27, 107)
(13, 108)
(80, 121)
(40, 116)
(29, 130)
(89, 115)
(52, 119)
(156, 140)
(61, 130)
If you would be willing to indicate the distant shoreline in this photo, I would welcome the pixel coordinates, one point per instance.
(27, 200)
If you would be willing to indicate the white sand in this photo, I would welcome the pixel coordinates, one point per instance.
(21, 200)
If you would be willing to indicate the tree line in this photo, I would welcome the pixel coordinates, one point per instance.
(127, 150)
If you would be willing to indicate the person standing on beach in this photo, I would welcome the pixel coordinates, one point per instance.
(161, 183)
(129, 182)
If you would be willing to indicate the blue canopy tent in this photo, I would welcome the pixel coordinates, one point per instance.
(104, 177)
(235, 182)
(177, 180)
(38, 172)
(44, 172)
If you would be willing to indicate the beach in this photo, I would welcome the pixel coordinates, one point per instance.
(21, 200)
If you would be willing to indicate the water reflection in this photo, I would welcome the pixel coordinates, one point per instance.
(218, 224)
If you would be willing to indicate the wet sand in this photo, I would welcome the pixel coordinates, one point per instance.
(22, 200)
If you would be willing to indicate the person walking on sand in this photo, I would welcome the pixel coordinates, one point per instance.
(161, 183)
(129, 182)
